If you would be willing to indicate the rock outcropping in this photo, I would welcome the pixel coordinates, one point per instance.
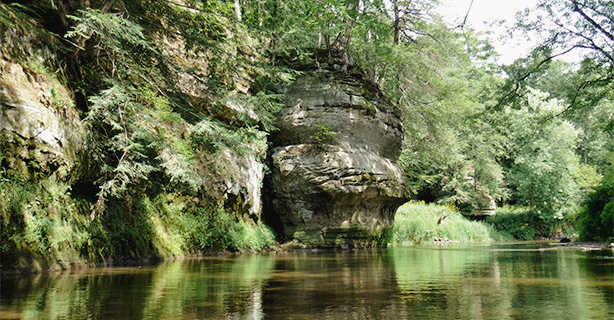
(40, 130)
(334, 180)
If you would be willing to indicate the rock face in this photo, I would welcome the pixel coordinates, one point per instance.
(40, 131)
(334, 180)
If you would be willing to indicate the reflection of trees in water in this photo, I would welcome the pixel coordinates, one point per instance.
(473, 284)
(401, 282)
(211, 288)
(207, 288)
(79, 295)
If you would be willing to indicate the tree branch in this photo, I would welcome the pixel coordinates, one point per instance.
(591, 21)
(462, 25)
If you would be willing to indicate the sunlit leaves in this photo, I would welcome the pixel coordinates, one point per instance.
(544, 161)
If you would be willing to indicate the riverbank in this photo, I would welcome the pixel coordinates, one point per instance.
(416, 223)
(585, 245)
(39, 267)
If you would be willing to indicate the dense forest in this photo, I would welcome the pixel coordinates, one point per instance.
(167, 91)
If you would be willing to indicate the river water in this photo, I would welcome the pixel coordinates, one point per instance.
(487, 281)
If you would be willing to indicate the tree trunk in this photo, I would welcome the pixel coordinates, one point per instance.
(238, 10)
(345, 37)
(397, 22)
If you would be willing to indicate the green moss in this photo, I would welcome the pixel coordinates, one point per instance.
(367, 105)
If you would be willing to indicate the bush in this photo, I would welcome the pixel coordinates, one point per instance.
(517, 222)
(524, 223)
(215, 229)
(417, 222)
(596, 218)
(47, 221)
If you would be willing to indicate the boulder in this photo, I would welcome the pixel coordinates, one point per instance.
(334, 181)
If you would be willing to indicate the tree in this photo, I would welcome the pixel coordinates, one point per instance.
(568, 26)
(590, 110)
(542, 161)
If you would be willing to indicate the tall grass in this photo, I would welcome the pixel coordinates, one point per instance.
(417, 222)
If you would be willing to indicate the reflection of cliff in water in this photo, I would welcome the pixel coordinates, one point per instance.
(344, 285)
(436, 282)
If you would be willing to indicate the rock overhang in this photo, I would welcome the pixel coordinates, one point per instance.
(343, 192)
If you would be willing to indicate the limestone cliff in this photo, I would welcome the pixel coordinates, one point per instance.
(334, 180)
(162, 154)
(201, 193)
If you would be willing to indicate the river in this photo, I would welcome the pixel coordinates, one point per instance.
(481, 281)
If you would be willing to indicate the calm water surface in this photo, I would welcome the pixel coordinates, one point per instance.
(501, 281)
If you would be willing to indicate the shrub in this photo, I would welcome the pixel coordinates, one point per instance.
(596, 218)
(211, 229)
(417, 222)
(517, 222)
(524, 223)
(323, 135)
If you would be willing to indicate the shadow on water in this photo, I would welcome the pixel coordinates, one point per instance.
(434, 282)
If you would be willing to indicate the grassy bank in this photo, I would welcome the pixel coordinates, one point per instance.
(417, 222)
(44, 225)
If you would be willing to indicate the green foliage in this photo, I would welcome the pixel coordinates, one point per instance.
(519, 222)
(214, 230)
(417, 222)
(323, 135)
(566, 27)
(544, 158)
(569, 25)
(42, 220)
(596, 218)
(524, 223)
(584, 94)
(125, 145)
(49, 222)
(587, 178)
(149, 134)
(588, 105)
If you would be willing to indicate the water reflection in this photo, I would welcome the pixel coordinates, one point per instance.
(188, 289)
(530, 283)
(347, 285)
(449, 282)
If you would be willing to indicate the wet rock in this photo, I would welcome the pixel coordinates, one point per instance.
(334, 180)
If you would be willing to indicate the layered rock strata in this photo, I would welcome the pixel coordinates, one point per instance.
(334, 180)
